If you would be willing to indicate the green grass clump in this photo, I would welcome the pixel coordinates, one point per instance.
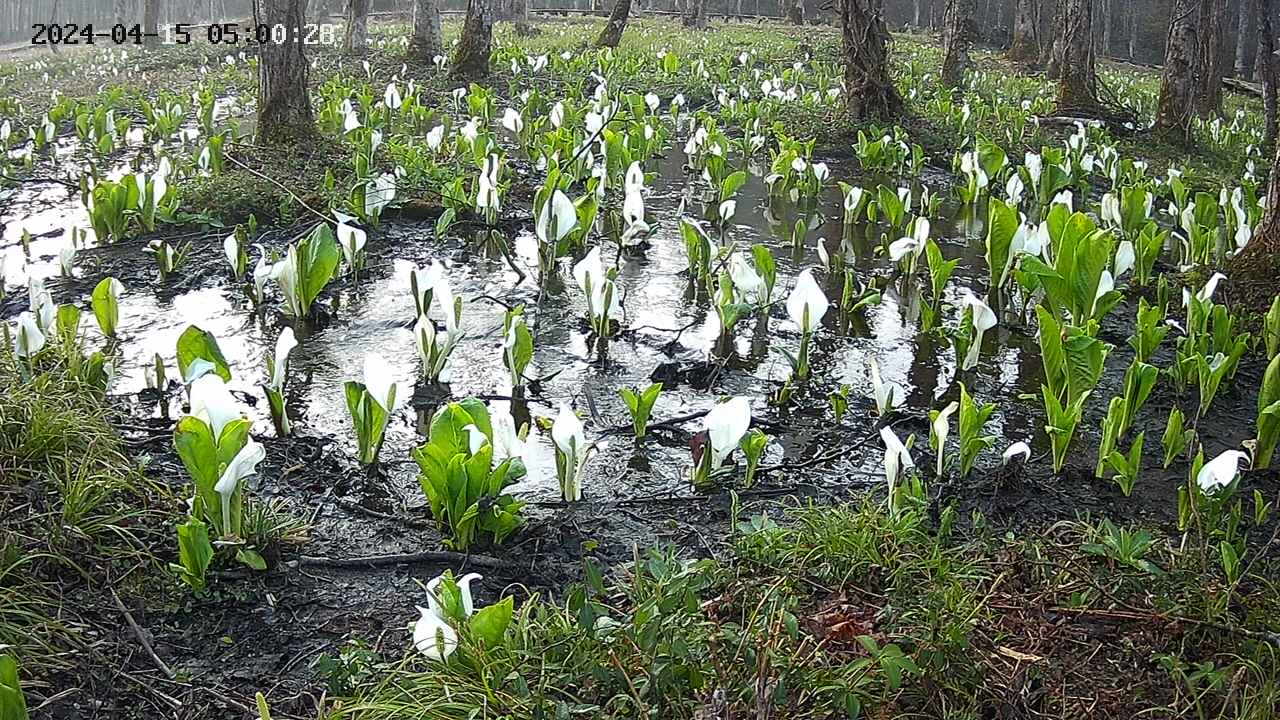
(73, 507)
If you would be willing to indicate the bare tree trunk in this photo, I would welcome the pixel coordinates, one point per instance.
(1108, 20)
(612, 33)
(519, 17)
(471, 60)
(1213, 23)
(1133, 29)
(869, 91)
(1244, 38)
(121, 11)
(1077, 74)
(1178, 80)
(915, 13)
(1254, 271)
(284, 108)
(1266, 67)
(357, 26)
(959, 30)
(1051, 52)
(150, 16)
(1025, 48)
(696, 17)
(428, 40)
(794, 11)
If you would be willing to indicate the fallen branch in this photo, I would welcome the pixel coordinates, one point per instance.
(140, 635)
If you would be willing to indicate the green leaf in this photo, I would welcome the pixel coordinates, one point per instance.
(195, 552)
(105, 306)
(196, 344)
(490, 624)
(251, 559)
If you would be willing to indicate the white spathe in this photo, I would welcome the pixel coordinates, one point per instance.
(211, 402)
(280, 360)
(807, 304)
(379, 382)
(726, 424)
(1220, 471)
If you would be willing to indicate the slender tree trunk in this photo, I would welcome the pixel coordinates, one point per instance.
(519, 17)
(1213, 23)
(121, 11)
(1077, 74)
(1051, 51)
(471, 60)
(1025, 48)
(357, 26)
(284, 108)
(150, 16)
(794, 11)
(959, 31)
(869, 91)
(1245, 35)
(1266, 67)
(1108, 19)
(612, 33)
(1133, 29)
(428, 40)
(696, 17)
(915, 13)
(1178, 80)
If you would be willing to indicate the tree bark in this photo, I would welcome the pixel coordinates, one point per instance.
(1213, 22)
(150, 16)
(1025, 48)
(1178, 79)
(471, 61)
(1077, 74)
(1107, 22)
(357, 26)
(696, 17)
(1254, 271)
(959, 31)
(1051, 52)
(794, 11)
(869, 91)
(1266, 67)
(612, 33)
(1133, 30)
(1245, 38)
(428, 40)
(284, 108)
(121, 11)
(915, 13)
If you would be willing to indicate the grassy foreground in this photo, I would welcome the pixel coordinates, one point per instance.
(855, 612)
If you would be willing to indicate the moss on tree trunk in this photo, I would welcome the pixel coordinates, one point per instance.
(865, 46)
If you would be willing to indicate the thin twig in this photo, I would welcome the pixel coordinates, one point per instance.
(430, 556)
(142, 636)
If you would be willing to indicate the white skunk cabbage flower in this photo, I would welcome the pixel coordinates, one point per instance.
(726, 424)
(29, 339)
(941, 429)
(807, 304)
(570, 439)
(589, 272)
(888, 395)
(983, 320)
(378, 380)
(633, 205)
(558, 209)
(897, 458)
(745, 279)
(487, 186)
(1220, 471)
(432, 634)
(280, 361)
(1125, 258)
(352, 241)
(378, 193)
(212, 402)
(513, 121)
(1016, 449)
(243, 465)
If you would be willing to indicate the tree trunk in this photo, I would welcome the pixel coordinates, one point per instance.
(1267, 67)
(519, 17)
(428, 40)
(959, 30)
(1077, 75)
(696, 17)
(794, 11)
(869, 91)
(1254, 271)
(150, 16)
(1178, 80)
(471, 61)
(1025, 48)
(357, 26)
(1051, 52)
(612, 33)
(915, 13)
(1244, 38)
(1108, 19)
(1213, 21)
(284, 108)
(121, 11)
(1133, 29)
